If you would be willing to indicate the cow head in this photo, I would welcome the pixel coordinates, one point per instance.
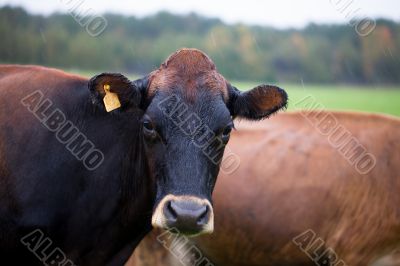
(188, 111)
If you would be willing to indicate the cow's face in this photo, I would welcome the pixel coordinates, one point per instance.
(188, 111)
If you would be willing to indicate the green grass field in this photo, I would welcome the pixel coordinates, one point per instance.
(333, 97)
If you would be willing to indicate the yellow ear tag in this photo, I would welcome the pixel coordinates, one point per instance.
(111, 101)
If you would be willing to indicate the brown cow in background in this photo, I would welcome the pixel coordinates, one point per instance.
(297, 200)
(393, 259)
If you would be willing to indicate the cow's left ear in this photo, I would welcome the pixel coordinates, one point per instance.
(258, 103)
(113, 91)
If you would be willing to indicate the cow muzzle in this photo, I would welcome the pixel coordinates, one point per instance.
(188, 215)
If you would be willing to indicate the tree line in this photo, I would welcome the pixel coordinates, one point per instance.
(316, 53)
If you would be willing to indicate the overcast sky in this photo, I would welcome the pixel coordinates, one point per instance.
(280, 13)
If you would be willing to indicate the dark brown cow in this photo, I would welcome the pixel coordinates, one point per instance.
(297, 200)
(87, 166)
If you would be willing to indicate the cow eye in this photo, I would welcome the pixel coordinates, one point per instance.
(226, 133)
(148, 128)
(147, 125)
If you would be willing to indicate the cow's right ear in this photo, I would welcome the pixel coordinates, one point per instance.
(113, 91)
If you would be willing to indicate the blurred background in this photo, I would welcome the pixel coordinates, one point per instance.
(345, 53)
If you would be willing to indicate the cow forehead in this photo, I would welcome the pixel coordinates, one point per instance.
(189, 70)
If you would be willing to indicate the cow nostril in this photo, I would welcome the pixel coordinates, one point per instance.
(186, 215)
(203, 218)
(170, 212)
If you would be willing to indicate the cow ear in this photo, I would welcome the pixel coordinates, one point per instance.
(258, 103)
(113, 91)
